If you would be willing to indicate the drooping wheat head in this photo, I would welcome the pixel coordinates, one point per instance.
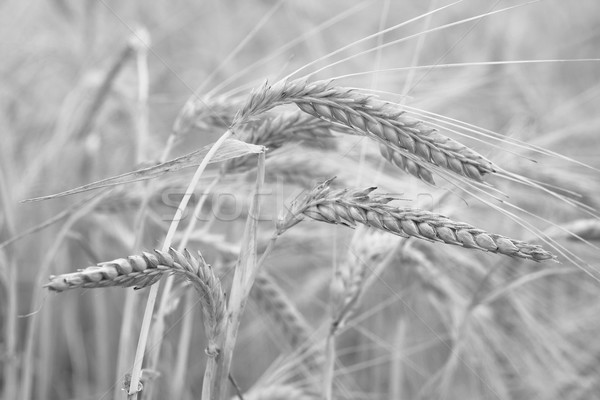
(361, 206)
(378, 120)
(143, 270)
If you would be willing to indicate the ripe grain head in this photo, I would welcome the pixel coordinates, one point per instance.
(378, 120)
(360, 206)
(144, 270)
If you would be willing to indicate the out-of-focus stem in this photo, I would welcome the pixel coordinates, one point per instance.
(141, 348)
(218, 366)
(159, 324)
(28, 363)
(10, 326)
(328, 367)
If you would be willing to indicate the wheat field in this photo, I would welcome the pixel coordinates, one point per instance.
(272, 200)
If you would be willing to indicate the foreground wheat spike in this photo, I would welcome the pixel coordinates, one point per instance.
(374, 118)
(408, 165)
(361, 206)
(142, 270)
(275, 131)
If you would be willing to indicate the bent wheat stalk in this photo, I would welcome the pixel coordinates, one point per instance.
(360, 206)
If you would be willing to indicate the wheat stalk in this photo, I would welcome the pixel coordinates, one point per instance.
(374, 118)
(360, 206)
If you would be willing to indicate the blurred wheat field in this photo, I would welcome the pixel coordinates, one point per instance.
(95, 89)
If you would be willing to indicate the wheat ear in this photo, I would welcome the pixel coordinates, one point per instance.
(143, 270)
(345, 291)
(274, 301)
(360, 206)
(275, 131)
(374, 118)
(207, 113)
(408, 165)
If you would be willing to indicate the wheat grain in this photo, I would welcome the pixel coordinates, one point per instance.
(408, 165)
(374, 118)
(275, 131)
(360, 206)
(143, 270)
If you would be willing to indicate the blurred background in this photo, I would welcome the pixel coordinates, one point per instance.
(92, 89)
